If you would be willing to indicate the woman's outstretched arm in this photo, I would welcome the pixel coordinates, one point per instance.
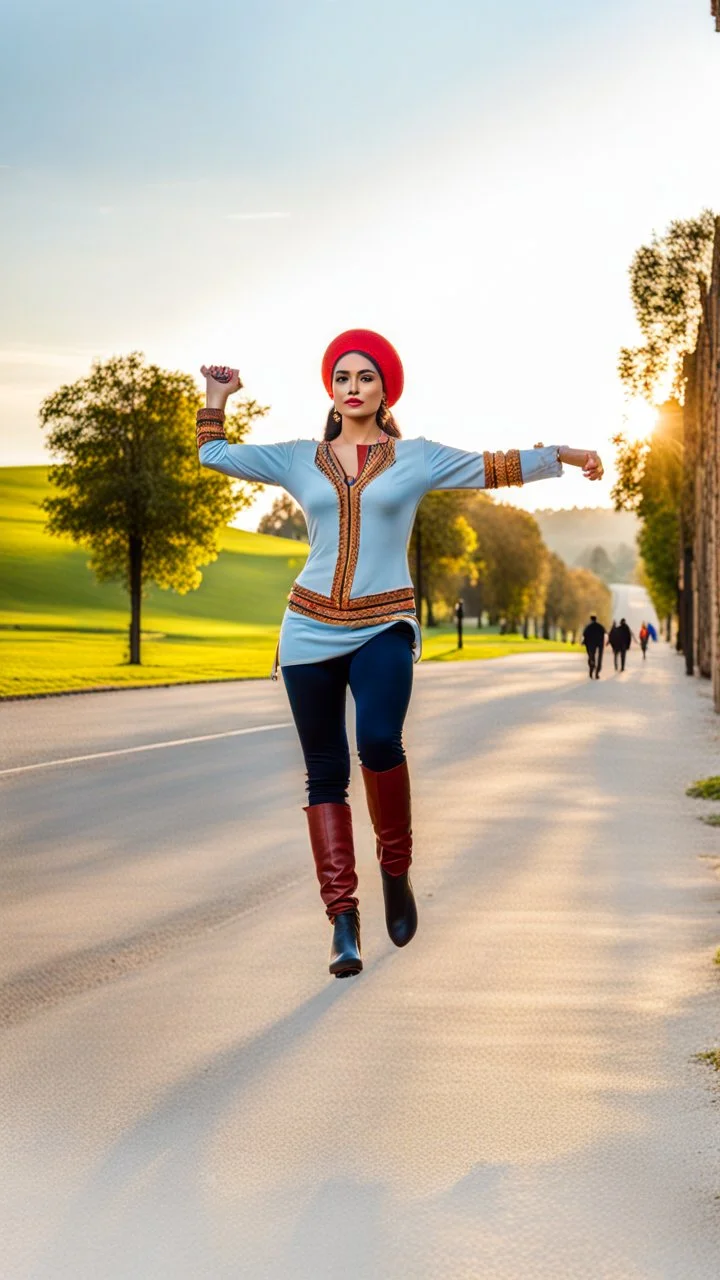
(449, 468)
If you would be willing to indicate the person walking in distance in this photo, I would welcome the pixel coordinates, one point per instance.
(594, 641)
(351, 620)
(614, 642)
(624, 641)
(644, 636)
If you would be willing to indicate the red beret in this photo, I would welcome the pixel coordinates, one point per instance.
(381, 352)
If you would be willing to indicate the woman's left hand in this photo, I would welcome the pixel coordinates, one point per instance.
(588, 459)
(593, 468)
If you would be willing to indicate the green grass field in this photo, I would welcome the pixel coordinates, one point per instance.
(60, 630)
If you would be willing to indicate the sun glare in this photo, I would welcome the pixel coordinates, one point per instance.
(638, 420)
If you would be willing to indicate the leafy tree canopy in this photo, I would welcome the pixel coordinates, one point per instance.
(666, 280)
(448, 545)
(650, 482)
(128, 483)
(511, 548)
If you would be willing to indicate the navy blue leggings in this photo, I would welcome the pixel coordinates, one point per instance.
(379, 675)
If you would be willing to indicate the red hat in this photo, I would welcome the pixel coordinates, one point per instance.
(381, 352)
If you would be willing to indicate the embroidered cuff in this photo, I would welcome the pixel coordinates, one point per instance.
(210, 425)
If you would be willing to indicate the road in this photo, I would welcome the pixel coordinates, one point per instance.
(632, 603)
(514, 1095)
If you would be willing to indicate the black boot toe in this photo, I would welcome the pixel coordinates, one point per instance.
(400, 908)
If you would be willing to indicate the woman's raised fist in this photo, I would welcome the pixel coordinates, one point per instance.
(221, 376)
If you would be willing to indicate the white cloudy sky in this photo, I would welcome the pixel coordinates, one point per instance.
(237, 182)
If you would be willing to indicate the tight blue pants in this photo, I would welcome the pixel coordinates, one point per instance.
(379, 676)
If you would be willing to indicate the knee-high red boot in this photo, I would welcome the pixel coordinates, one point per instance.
(331, 841)
(388, 798)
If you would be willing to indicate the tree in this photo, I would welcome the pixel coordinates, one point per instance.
(670, 284)
(284, 520)
(129, 486)
(557, 607)
(666, 280)
(624, 563)
(587, 594)
(599, 563)
(513, 555)
(447, 544)
(650, 482)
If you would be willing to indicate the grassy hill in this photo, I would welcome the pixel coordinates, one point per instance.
(60, 630)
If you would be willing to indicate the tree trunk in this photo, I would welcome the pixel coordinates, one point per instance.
(429, 615)
(135, 598)
(526, 627)
(688, 610)
(546, 627)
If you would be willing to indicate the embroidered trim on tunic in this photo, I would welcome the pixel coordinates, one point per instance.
(379, 458)
(363, 611)
(210, 425)
(206, 433)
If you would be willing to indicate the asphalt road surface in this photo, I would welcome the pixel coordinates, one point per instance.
(188, 1095)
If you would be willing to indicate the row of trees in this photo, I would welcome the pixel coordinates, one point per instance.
(493, 555)
(672, 479)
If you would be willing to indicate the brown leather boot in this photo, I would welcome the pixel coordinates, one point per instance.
(331, 840)
(388, 798)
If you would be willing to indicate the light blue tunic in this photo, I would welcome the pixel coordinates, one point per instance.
(358, 547)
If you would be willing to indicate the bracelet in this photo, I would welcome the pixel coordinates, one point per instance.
(514, 467)
(500, 469)
(210, 414)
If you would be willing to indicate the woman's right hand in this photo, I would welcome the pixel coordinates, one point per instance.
(221, 381)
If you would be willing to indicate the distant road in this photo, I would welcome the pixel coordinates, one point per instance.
(634, 604)
(191, 1097)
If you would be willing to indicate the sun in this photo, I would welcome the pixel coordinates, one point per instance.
(639, 419)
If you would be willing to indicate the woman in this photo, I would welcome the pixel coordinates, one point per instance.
(351, 617)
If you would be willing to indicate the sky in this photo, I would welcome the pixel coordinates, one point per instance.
(236, 183)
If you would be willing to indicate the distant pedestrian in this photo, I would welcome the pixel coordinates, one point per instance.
(614, 640)
(594, 641)
(644, 635)
(459, 615)
(625, 638)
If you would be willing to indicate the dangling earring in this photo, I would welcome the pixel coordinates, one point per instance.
(337, 417)
(382, 413)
